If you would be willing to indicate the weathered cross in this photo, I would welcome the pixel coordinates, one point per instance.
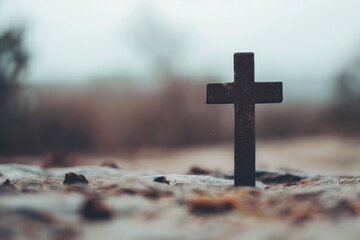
(244, 93)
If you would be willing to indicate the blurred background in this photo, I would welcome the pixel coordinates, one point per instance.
(112, 78)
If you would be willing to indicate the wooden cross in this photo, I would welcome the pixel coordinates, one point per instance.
(244, 93)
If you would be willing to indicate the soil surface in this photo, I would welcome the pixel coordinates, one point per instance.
(131, 200)
(128, 204)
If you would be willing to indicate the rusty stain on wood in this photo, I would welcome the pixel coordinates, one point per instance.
(244, 93)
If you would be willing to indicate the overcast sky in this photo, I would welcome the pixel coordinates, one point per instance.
(304, 43)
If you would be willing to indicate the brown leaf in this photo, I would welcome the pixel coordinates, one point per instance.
(95, 209)
(308, 180)
(203, 205)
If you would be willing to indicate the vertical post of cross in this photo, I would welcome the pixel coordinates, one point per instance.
(244, 134)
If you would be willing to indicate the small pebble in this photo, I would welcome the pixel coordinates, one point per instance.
(71, 178)
(161, 180)
(8, 184)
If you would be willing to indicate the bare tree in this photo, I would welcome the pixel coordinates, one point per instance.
(347, 107)
(13, 62)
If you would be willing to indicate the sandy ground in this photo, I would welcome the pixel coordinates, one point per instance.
(150, 197)
(139, 204)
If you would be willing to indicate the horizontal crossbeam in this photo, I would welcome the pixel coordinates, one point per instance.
(220, 93)
(268, 92)
(265, 92)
